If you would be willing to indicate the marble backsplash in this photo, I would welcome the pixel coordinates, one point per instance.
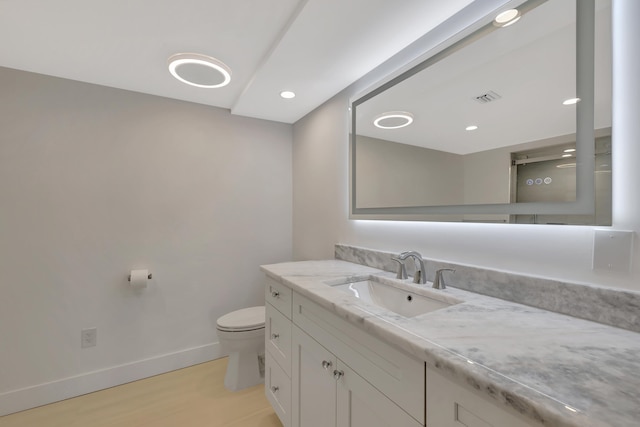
(614, 307)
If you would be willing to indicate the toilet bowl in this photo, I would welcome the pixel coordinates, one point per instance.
(241, 335)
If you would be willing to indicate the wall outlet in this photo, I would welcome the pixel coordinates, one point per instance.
(613, 250)
(88, 337)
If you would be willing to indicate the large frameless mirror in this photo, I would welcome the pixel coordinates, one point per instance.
(509, 124)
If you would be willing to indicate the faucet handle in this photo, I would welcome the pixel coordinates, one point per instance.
(438, 281)
(402, 269)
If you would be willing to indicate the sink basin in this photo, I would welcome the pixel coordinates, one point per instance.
(395, 299)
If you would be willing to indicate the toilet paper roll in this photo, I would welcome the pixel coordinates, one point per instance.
(139, 278)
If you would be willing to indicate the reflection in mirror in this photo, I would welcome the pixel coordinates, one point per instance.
(484, 130)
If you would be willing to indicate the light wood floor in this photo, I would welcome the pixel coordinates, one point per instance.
(190, 397)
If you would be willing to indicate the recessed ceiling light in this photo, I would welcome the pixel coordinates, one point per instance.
(506, 18)
(569, 150)
(566, 165)
(472, 127)
(287, 94)
(571, 101)
(566, 155)
(393, 120)
(199, 70)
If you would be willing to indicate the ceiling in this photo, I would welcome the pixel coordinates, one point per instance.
(531, 65)
(315, 48)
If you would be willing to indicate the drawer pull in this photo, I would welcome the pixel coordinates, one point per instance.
(275, 294)
(275, 388)
(338, 374)
(326, 364)
(275, 336)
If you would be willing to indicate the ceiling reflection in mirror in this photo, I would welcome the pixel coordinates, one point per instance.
(486, 130)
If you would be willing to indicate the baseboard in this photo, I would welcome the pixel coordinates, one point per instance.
(43, 394)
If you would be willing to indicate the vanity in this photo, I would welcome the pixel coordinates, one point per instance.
(348, 344)
(334, 358)
(322, 370)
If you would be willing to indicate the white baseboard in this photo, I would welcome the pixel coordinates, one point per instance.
(43, 394)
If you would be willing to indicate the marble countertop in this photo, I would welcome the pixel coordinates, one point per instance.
(555, 369)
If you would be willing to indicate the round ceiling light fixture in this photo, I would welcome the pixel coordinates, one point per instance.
(506, 18)
(571, 101)
(472, 127)
(393, 120)
(199, 70)
(566, 165)
(287, 94)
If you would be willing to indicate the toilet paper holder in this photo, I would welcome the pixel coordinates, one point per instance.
(129, 277)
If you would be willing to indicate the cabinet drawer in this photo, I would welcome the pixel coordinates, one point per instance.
(452, 405)
(279, 296)
(397, 375)
(277, 388)
(278, 337)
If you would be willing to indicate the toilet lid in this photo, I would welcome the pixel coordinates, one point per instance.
(242, 320)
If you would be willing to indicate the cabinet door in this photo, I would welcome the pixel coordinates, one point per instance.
(451, 405)
(359, 404)
(313, 386)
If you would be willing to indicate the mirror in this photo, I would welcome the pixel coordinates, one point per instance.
(489, 129)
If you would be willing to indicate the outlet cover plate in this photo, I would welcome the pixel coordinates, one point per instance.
(612, 250)
(88, 337)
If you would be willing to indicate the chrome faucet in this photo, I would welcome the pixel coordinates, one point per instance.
(438, 281)
(420, 275)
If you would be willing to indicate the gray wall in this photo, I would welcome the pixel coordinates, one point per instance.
(95, 182)
(393, 174)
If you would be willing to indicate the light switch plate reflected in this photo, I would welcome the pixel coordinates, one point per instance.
(612, 250)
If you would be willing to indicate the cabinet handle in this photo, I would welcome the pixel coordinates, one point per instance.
(275, 294)
(326, 365)
(338, 374)
(275, 388)
(275, 336)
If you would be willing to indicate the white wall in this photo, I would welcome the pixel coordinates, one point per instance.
(321, 173)
(97, 181)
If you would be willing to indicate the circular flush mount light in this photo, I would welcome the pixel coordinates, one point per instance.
(566, 165)
(393, 120)
(569, 150)
(472, 127)
(199, 70)
(571, 101)
(506, 18)
(287, 94)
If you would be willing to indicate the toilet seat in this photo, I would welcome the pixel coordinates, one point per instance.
(246, 319)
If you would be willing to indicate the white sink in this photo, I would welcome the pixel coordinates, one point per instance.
(393, 298)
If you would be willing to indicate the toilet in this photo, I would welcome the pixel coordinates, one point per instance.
(241, 335)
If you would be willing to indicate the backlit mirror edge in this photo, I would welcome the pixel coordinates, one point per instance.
(585, 134)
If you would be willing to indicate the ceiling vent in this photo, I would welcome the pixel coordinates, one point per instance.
(487, 97)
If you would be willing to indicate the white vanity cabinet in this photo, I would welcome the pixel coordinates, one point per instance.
(452, 405)
(329, 372)
(327, 392)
